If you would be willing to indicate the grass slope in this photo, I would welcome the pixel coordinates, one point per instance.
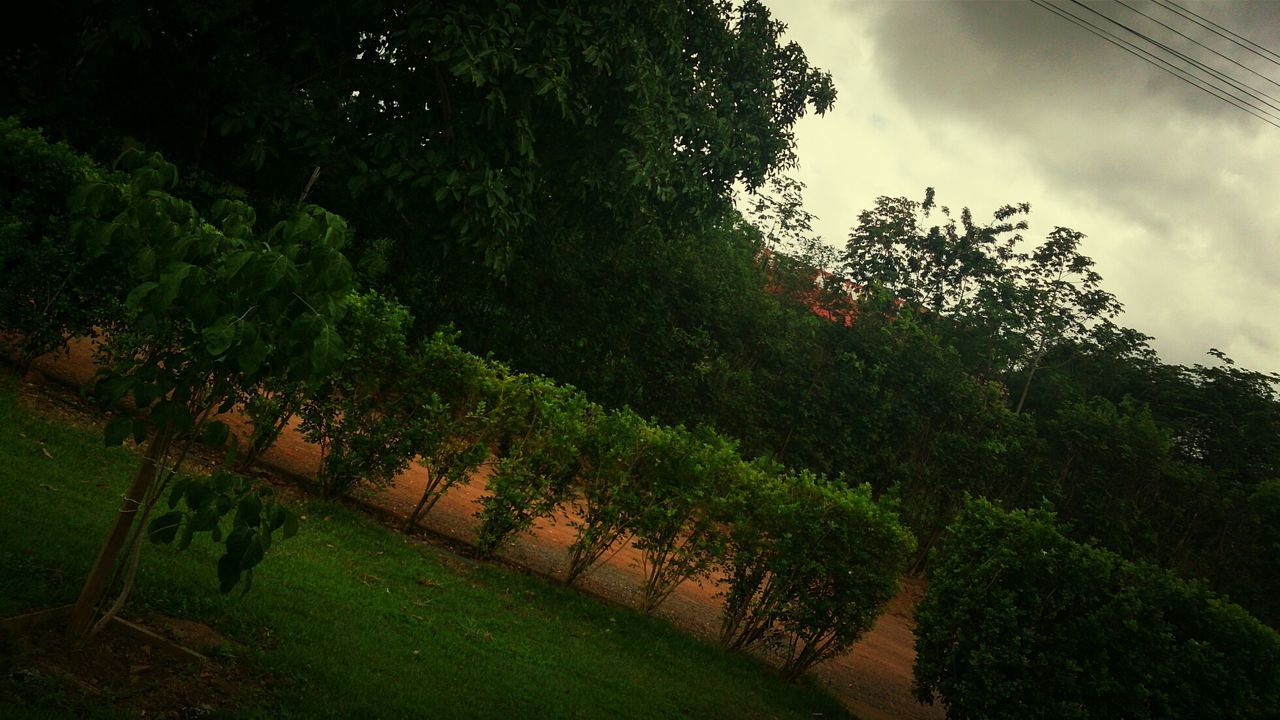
(351, 620)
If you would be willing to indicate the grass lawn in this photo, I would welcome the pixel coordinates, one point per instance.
(348, 619)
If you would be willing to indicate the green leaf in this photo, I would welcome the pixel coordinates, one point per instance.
(140, 428)
(249, 511)
(253, 553)
(235, 262)
(327, 352)
(110, 389)
(251, 355)
(163, 529)
(145, 393)
(277, 516)
(171, 413)
(184, 537)
(198, 493)
(171, 280)
(175, 495)
(134, 300)
(228, 572)
(215, 433)
(143, 265)
(204, 519)
(219, 336)
(119, 427)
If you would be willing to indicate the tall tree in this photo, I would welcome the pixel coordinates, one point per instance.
(1003, 306)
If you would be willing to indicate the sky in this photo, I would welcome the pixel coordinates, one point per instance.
(995, 103)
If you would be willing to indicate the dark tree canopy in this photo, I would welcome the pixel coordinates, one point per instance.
(490, 126)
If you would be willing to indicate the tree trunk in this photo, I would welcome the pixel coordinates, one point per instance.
(1027, 386)
(96, 583)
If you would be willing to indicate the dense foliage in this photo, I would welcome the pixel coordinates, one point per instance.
(47, 293)
(1021, 622)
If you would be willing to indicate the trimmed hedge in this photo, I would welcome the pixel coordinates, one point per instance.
(1020, 622)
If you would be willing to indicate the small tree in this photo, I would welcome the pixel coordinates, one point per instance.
(615, 444)
(457, 420)
(364, 416)
(542, 427)
(214, 310)
(810, 567)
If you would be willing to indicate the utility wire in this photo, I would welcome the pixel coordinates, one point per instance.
(1229, 59)
(1220, 31)
(1244, 88)
(1158, 62)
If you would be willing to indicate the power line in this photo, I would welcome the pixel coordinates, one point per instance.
(1242, 87)
(1219, 30)
(1152, 59)
(1229, 59)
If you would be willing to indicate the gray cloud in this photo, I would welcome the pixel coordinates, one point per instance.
(1003, 101)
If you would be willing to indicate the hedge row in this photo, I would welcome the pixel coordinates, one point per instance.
(806, 563)
(207, 314)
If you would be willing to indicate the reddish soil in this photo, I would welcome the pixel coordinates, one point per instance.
(873, 680)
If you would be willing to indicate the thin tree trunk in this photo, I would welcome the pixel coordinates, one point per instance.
(96, 583)
(427, 494)
(1026, 387)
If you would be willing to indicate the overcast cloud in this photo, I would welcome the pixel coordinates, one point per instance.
(1002, 102)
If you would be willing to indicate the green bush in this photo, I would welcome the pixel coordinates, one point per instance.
(1021, 622)
(456, 422)
(615, 445)
(46, 294)
(678, 501)
(810, 565)
(363, 415)
(541, 428)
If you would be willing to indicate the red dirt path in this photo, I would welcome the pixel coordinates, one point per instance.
(873, 680)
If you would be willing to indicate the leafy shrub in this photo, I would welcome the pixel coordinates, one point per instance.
(541, 429)
(1021, 622)
(269, 407)
(456, 421)
(46, 293)
(363, 415)
(614, 445)
(811, 564)
(678, 500)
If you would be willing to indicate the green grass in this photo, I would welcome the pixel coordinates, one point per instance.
(350, 620)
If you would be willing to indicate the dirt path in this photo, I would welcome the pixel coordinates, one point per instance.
(873, 680)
